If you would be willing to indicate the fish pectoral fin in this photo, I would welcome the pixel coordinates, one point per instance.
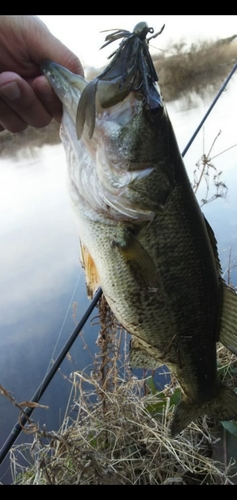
(143, 355)
(228, 327)
(139, 262)
(222, 407)
(92, 278)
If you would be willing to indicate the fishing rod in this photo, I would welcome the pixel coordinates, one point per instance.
(43, 386)
(209, 110)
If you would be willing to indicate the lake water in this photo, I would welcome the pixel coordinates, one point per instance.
(41, 280)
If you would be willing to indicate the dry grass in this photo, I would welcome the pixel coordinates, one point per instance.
(122, 444)
(201, 69)
(120, 430)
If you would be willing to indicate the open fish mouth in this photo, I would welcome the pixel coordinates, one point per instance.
(107, 114)
(105, 181)
(131, 69)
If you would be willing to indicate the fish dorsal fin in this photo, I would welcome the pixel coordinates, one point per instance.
(228, 326)
(213, 242)
(92, 278)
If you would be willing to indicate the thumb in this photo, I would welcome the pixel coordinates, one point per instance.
(44, 45)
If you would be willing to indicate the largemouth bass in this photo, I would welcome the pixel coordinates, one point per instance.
(143, 236)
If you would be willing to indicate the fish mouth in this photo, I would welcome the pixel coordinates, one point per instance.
(64, 82)
(102, 120)
(131, 71)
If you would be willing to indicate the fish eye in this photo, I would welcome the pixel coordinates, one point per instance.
(154, 114)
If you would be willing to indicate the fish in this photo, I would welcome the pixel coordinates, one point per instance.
(143, 236)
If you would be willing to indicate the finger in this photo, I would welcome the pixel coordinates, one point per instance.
(9, 119)
(49, 47)
(21, 98)
(48, 97)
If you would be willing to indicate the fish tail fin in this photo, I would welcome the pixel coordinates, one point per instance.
(222, 407)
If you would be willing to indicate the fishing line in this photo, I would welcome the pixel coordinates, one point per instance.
(63, 323)
(43, 386)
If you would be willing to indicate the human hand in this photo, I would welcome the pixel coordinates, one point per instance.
(26, 97)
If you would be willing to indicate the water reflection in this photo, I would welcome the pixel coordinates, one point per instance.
(40, 271)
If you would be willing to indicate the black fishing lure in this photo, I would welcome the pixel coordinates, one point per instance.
(133, 53)
(130, 69)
